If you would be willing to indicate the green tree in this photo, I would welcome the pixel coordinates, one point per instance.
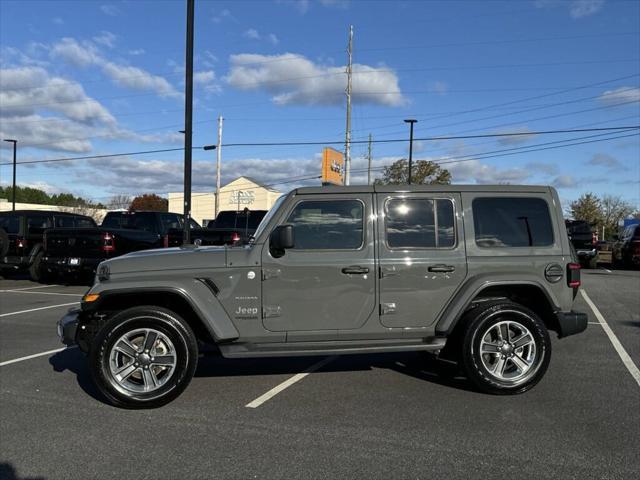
(150, 201)
(423, 172)
(614, 211)
(588, 208)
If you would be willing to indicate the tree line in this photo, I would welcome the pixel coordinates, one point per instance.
(605, 212)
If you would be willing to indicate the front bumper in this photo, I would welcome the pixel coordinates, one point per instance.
(570, 323)
(68, 327)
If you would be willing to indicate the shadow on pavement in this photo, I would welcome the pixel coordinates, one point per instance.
(75, 361)
(7, 472)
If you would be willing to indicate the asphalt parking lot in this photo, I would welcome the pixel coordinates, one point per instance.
(374, 416)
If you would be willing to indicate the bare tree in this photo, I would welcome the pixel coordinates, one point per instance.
(119, 202)
(614, 210)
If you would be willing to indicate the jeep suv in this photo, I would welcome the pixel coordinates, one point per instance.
(477, 275)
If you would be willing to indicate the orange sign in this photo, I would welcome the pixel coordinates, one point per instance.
(332, 166)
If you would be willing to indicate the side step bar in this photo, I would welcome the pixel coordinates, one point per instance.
(334, 347)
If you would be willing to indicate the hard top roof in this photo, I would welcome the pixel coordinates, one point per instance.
(423, 188)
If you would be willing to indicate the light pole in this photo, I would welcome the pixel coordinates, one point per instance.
(213, 147)
(410, 121)
(15, 143)
(188, 119)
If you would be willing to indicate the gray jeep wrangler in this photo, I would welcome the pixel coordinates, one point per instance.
(474, 274)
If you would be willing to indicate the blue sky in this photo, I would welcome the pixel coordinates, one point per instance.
(94, 78)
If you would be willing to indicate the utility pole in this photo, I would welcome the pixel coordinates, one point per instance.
(15, 143)
(188, 123)
(218, 162)
(347, 142)
(410, 122)
(369, 169)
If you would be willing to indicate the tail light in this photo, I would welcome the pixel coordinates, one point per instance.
(165, 241)
(21, 243)
(573, 275)
(594, 238)
(108, 243)
(235, 237)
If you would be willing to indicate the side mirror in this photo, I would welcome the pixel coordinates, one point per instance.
(282, 238)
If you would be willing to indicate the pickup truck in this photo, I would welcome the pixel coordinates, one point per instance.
(22, 238)
(585, 241)
(477, 275)
(237, 226)
(79, 251)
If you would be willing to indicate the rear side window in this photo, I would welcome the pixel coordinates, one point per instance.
(170, 221)
(64, 222)
(328, 225)
(512, 222)
(38, 223)
(10, 224)
(419, 223)
(81, 222)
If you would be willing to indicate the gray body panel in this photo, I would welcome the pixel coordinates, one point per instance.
(301, 299)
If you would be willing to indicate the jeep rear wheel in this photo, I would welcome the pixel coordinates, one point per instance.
(144, 357)
(506, 348)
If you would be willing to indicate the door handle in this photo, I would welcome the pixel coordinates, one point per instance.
(442, 268)
(355, 270)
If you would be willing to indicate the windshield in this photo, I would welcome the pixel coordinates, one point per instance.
(267, 218)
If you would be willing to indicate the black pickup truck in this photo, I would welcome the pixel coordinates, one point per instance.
(585, 241)
(79, 251)
(237, 226)
(22, 237)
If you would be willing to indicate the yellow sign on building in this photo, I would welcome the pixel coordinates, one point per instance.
(332, 167)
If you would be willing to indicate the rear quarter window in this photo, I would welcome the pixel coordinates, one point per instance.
(10, 224)
(512, 222)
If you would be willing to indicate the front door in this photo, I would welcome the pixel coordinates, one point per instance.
(327, 282)
(422, 256)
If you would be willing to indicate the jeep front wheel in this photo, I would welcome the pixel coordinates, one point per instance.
(506, 348)
(144, 357)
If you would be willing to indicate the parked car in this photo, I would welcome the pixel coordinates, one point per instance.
(237, 226)
(79, 251)
(22, 237)
(476, 274)
(585, 241)
(626, 247)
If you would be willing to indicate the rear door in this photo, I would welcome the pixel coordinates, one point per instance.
(422, 256)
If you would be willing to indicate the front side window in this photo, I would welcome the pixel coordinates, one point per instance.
(328, 225)
(419, 223)
(38, 223)
(512, 222)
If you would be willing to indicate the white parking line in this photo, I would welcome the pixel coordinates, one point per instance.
(30, 288)
(42, 293)
(287, 383)
(624, 356)
(35, 355)
(36, 309)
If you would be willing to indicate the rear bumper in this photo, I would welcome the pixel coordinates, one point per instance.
(587, 253)
(64, 265)
(14, 262)
(68, 327)
(570, 323)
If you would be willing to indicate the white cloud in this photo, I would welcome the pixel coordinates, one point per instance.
(221, 16)
(620, 96)
(542, 167)
(605, 160)
(106, 39)
(207, 80)
(273, 39)
(564, 181)
(482, 173)
(57, 21)
(110, 10)
(293, 79)
(85, 54)
(584, 8)
(515, 139)
(251, 34)
(137, 51)
(70, 51)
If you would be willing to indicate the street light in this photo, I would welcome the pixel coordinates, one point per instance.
(15, 143)
(410, 121)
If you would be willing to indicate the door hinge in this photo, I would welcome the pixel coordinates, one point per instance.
(268, 273)
(269, 311)
(387, 308)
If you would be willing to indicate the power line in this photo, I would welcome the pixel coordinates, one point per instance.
(459, 137)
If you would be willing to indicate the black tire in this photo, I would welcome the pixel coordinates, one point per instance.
(160, 320)
(36, 271)
(4, 242)
(481, 323)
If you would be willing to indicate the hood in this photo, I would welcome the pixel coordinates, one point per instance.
(178, 258)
